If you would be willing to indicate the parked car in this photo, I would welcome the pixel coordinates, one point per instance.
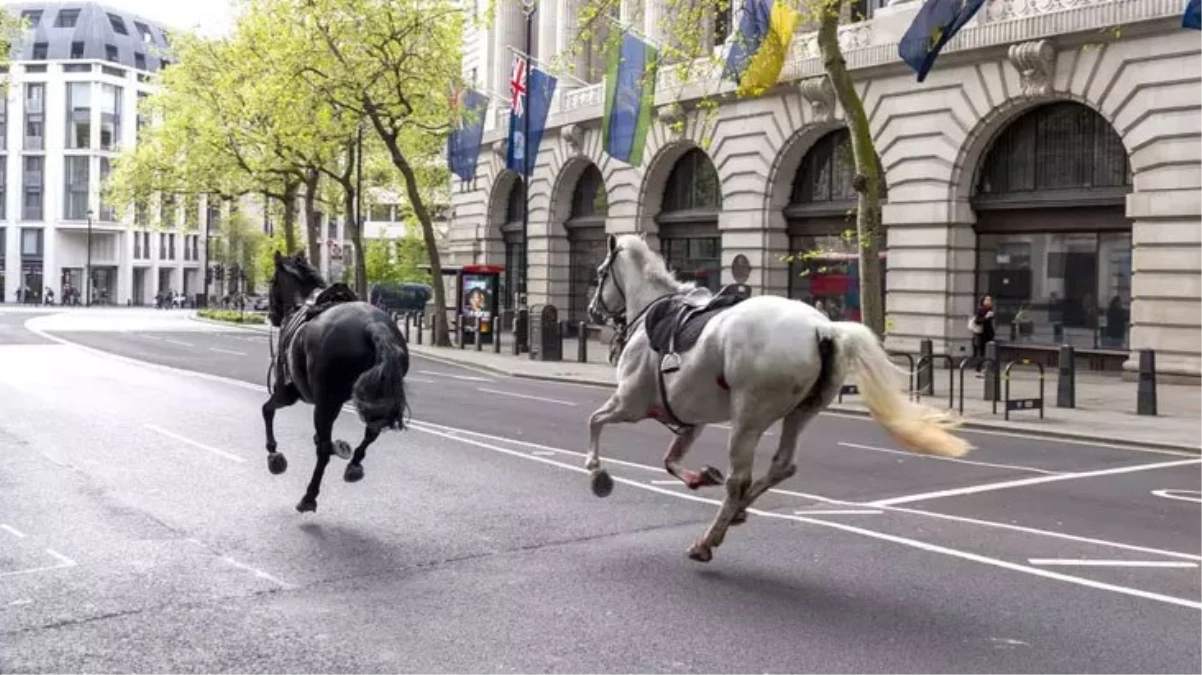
(400, 297)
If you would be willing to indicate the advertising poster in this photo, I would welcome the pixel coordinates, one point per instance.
(477, 298)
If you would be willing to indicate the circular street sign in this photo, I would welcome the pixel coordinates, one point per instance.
(741, 268)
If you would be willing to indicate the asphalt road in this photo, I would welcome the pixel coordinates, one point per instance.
(142, 532)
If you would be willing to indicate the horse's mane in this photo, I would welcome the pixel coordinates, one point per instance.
(651, 263)
(305, 272)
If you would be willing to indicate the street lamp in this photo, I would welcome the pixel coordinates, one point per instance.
(522, 324)
(88, 271)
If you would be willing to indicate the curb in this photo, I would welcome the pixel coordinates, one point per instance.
(835, 408)
(255, 327)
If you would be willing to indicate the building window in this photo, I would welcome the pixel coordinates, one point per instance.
(3, 193)
(110, 53)
(688, 221)
(162, 245)
(33, 16)
(381, 213)
(66, 18)
(110, 117)
(79, 115)
(31, 208)
(142, 118)
(118, 25)
(32, 243)
(192, 212)
(511, 233)
(139, 61)
(144, 31)
(3, 123)
(168, 210)
(35, 116)
(40, 50)
(107, 212)
(212, 213)
(76, 178)
(171, 247)
(77, 50)
(586, 241)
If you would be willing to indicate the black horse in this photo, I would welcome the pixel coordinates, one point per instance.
(332, 348)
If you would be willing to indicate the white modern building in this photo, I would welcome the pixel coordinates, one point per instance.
(74, 86)
(1052, 159)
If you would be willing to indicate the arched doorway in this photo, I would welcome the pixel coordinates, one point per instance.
(821, 222)
(1053, 239)
(688, 221)
(586, 240)
(511, 235)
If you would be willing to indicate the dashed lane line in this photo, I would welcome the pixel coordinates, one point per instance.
(860, 446)
(12, 530)
(219, 350)
(468, 378)
(195, 444)
(1086, 562)
(63, 563)
(527, 397)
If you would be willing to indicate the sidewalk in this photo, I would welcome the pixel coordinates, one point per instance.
(1105, 409)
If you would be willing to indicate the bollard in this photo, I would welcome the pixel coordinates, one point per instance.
(926, 376)
(1066, 385)
(408, 320)
(582, 345)
(496, 334)
(521, 332)
(421, 327)
(517, 334)
(992, 383)
(1145, 402)
(479, 336)
(459, 319)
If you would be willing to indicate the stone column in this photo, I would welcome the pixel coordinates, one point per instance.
(1166, 280)
(546, 46)
(509, 30)
(653, 16)
(929, 275)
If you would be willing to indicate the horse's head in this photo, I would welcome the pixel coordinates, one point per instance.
(291, 283)
(609, 300)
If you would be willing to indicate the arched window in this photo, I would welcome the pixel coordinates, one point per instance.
(688, 220)
(824, 269)
(1053, 239)
(586, 240)
(511, 234)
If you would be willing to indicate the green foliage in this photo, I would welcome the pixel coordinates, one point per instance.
(396, 261)
(232, 316)
(263, 265)
(12, 35)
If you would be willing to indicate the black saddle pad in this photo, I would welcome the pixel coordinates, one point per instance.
(334, 294)
(676, 317)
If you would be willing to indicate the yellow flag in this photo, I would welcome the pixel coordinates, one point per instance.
(769, 59)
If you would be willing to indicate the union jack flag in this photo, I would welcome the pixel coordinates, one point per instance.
(517, 86)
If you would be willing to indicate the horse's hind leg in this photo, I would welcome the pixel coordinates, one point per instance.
(782, 467)
(743, 439)
(324, 415)
(354, 470)
(708, 476)
(282, 397)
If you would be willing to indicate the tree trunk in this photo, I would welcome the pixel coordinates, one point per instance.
(441, 334)
(312, 224)
(290, 188)
(868, 175)
(354, 223)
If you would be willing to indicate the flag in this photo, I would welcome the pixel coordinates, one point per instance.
(936, 23)
(758, 53)
(531, 96)
(1193, 15)
(629, 97)
(463, 147)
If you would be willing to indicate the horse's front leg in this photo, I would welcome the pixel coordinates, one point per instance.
(616, 409)
(707, 477)
(324, 415)
(354, 470)
(282, 397)
(743, 439)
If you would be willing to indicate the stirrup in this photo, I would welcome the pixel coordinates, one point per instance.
(670, 363)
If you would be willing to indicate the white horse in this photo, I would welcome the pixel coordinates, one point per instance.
(763, 359)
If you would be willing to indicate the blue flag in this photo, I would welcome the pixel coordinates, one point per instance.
(1193, 15)
(630, 78)
(934, 26)
(535, 94)
(463, 147)
(753, 28)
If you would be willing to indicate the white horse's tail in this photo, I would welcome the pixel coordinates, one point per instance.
(917, 427)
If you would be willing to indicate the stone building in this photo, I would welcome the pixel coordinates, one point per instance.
(1050, 159)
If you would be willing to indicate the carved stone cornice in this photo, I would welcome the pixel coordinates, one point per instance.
(499, 147)
(820, 94)
(573, 136)
(1036, 64)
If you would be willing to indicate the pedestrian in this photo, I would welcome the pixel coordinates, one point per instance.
(981, 325)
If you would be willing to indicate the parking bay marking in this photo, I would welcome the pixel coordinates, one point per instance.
(63, 563)
(195, 444)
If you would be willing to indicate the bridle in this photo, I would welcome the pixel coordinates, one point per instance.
(622, 328)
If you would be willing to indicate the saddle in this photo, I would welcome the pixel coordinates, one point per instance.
(334, 294)
(675, 324)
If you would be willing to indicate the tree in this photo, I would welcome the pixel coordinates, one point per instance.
(688, 57)
(397, 261)
(12, 35)
(392, 62)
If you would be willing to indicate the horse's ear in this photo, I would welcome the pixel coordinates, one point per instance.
(613, 243)
(300, 256)
(279, 259)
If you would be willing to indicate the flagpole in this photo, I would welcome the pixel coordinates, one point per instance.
(547, 68)
(529, 7)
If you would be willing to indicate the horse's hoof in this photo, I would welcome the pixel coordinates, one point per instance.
(739, 518)
(276, 463)
(711, 476)
(602, 483)
(342, 449)
(700, 552)
(353, 473)
(307, 504)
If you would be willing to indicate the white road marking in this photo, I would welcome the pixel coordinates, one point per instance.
(419, 379)
(839, 512)
(988, 487)
(917, 455)
(1065, 562)
(219, 350)
(22, 601)
(544, 453)
(150, 337)
(457, 377)
(525, 396)
(195, 444)
(12, 530)
(257, 572)
(1168, 494)
(673, 481)
(178, 342)
(63, 563)
(873, 534)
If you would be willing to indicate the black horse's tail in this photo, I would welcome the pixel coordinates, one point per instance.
(379, 393)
